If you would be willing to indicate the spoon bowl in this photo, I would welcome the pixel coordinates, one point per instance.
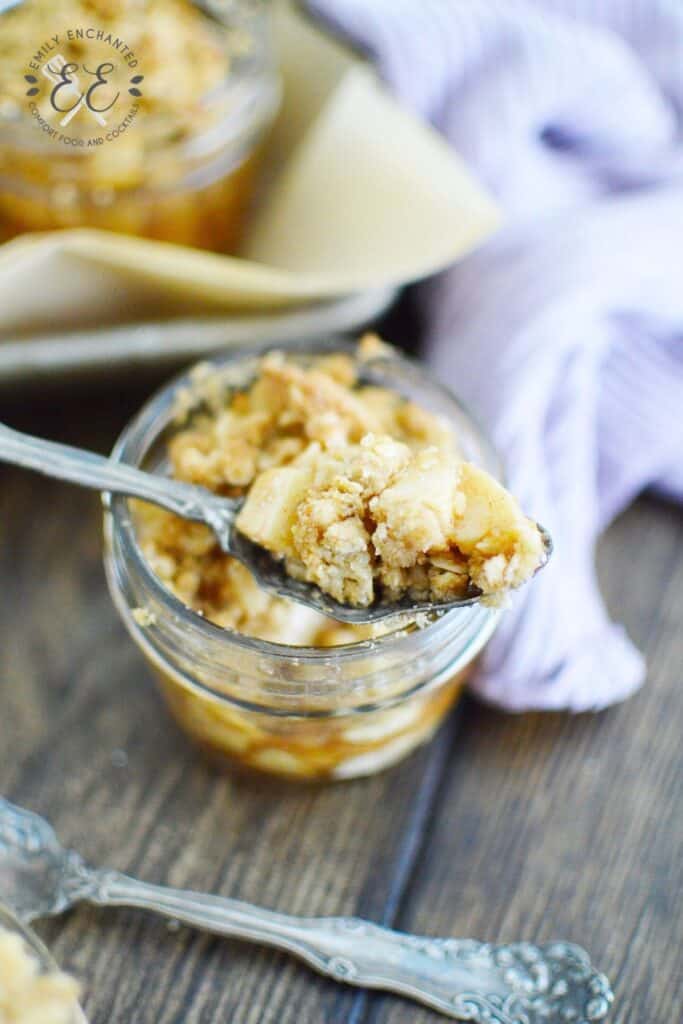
(270, 575)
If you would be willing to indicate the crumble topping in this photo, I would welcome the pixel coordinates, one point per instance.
(377, 519)
(27, 995)
(144, 617)
(179, 52)
(174, 159)
(286, 410)
(359, 489)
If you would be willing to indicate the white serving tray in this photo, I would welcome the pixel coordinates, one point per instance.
(117, 348)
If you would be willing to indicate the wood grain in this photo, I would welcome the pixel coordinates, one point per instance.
(505, 827)
(551, 826)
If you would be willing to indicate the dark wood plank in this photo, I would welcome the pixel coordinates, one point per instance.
(552, 826)
(86, 741)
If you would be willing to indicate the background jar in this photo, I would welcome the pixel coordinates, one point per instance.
(303, 712)
(189, 180)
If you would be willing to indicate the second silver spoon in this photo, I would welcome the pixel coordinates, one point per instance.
(519, 983)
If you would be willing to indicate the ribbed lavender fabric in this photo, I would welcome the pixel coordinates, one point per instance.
(565, 333)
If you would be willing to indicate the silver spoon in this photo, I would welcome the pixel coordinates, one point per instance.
(474, 981)
(190, 502)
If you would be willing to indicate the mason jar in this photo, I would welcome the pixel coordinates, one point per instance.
(302, 712)
(187, 179)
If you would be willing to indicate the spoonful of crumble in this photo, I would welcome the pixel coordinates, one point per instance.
(348, 499)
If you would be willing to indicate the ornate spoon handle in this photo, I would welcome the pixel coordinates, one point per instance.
(88, 469)
(473, 981)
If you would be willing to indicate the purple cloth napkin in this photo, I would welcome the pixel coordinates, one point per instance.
(565, 333)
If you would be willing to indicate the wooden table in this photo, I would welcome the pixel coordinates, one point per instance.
(533, 827)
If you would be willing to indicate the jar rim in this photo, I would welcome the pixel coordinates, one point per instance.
(144, 429)
(11, 922)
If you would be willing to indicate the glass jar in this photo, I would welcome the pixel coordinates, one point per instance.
(302, 712)
(171, 164)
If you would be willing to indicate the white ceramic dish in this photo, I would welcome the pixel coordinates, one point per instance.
(114, 348)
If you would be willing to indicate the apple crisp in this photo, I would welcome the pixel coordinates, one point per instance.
(377, 520)
(358, 489)
(176, 48)
(182, 98)
(29, 995)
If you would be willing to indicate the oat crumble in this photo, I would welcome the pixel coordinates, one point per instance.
(163, 161)
(28, 995)
(144, 617)
(176, 48)
(360, 490)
